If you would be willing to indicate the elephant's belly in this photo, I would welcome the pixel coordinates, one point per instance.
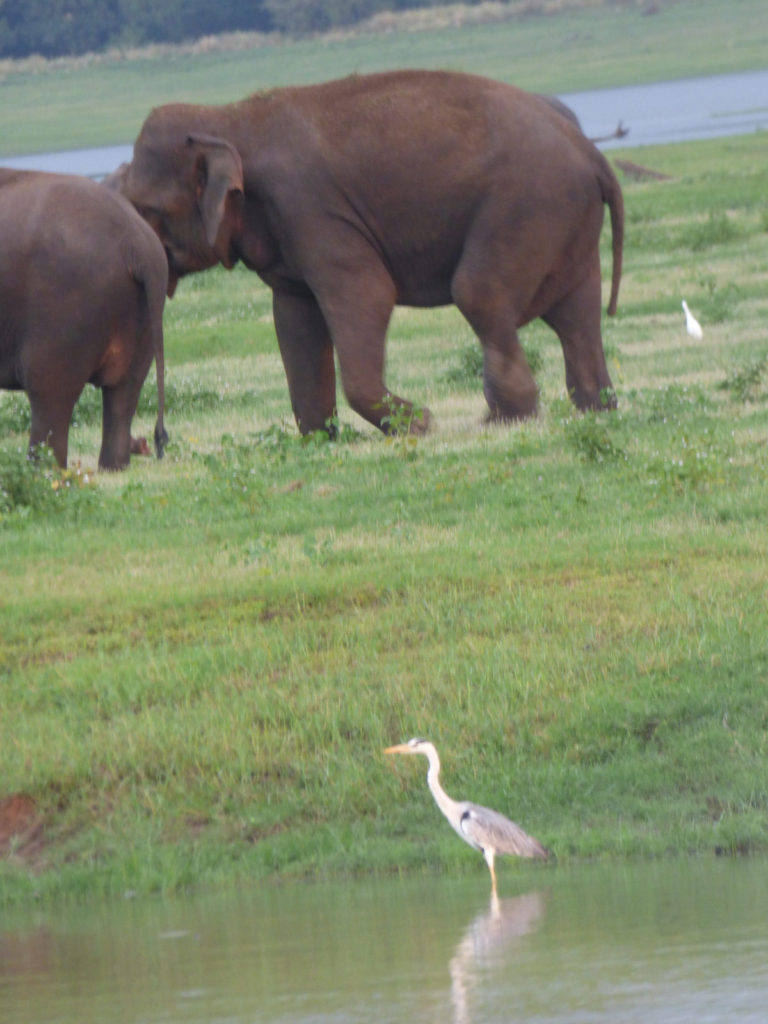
(424, 282)
(426, 296)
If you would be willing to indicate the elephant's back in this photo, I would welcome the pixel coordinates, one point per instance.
(423, 125)
(65, 235)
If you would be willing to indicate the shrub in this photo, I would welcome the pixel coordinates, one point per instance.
(745, 381)
(15, 415)
(717, 229)
(688, 462)
(470, 366)
(36, 483)
(719, 303)
(590, 437)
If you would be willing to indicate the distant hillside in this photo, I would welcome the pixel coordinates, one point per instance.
(69, 28)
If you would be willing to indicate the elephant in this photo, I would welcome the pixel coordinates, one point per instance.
(418, 188)
(83, 281)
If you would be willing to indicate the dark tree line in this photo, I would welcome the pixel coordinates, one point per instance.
(55, 28)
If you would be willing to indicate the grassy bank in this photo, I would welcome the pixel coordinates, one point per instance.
(201, 659)
(580, 46)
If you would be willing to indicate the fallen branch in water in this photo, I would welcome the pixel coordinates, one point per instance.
(618, 133)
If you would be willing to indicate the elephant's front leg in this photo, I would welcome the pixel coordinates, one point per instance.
(307, 353)
(51, 416)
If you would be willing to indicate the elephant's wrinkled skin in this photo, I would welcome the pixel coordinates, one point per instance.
(82, 289)
(413, 187)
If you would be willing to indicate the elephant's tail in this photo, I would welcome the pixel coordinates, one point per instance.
(151, 271)
(611, 191)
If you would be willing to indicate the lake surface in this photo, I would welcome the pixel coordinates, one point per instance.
(690, 108)
(657, 943)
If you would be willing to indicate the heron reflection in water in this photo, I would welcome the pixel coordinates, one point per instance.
(486, 830)
(486, 943)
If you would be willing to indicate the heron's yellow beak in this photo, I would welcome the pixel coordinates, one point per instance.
(400, 748)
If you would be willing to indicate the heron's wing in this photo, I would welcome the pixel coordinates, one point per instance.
(484, 828)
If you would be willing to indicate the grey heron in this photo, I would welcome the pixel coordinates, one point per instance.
(486, 830)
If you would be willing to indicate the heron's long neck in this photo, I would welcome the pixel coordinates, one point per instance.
(442, 799)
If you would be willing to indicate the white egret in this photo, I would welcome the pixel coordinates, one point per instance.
(692, 325)
(486, 830)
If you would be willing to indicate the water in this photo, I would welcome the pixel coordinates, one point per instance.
(655, 943)
(690, 108)
(93, 163)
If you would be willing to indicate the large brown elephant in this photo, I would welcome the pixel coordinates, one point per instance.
(82, 288)
(418, 188)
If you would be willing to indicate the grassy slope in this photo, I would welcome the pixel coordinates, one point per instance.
(576, 50)
(201, 659)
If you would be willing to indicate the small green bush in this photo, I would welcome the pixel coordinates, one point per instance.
(15, 416)
(589, 435)
(719, 303)
(746, 380)
(470, 365)
(35, 483)
(688, 463)
(674, 402)
(717, 229)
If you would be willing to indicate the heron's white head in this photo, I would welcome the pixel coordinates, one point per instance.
(418, 746)
(414, 746)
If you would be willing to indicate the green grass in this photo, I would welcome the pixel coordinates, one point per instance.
(584, 46)
(201, 659)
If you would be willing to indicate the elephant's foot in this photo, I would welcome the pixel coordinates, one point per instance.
(492, 418)
(139, 446)
(506, 409)
(404, 418)
(594, 401)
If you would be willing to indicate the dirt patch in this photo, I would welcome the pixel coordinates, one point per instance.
(635, 172)
(21, 828)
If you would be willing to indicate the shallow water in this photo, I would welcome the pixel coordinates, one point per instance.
(658, 943)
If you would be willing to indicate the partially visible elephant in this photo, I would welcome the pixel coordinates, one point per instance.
(418, 188)
(564, 110)
(82, 288)
(554, 101)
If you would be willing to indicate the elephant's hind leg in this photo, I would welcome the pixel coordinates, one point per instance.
(118, 407)
(576, 321)
(508, 384)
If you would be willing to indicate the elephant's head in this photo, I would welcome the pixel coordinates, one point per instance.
(189, 187)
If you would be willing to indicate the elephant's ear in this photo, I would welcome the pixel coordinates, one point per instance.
(219, 190)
